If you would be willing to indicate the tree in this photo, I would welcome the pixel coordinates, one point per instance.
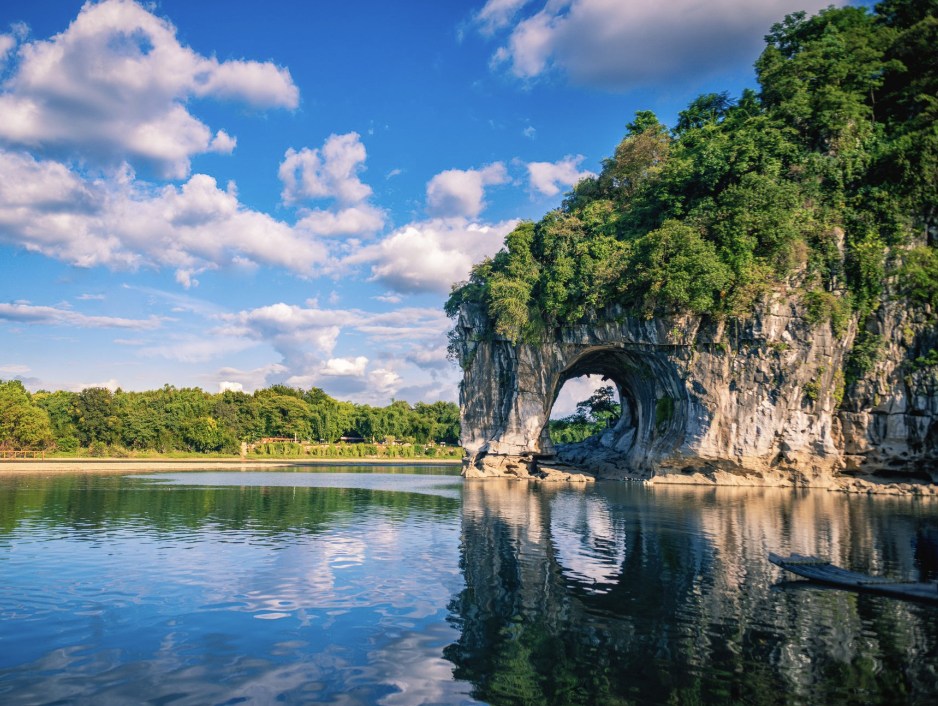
(681, 271)
(601, 406)
(95, 416)
(23, 423)
(61, 408)
(283, 415)
(707, 108)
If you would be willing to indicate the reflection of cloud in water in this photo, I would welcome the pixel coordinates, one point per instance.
(589, 546)
(446, 486)
(226, 614)
(413, 664)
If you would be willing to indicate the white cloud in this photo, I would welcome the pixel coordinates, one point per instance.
(331, 172)
(114, 86)
(363, 219)
(429, 358)
(248, 380)
(548, 178)
(25, 313)
(618, 44)
(345, 367)
(7, 42)
(196, 348)
(460, 192)
(497, 14)
(110, 384)
(14, 369)
(327, 173)
(429, 256)
(124, 224)
(228, 386)
(384, 383)
(305, 338)
(576, 390)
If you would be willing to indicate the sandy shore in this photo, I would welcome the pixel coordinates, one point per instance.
(153, 465)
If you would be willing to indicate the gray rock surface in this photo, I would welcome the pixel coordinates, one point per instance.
(748, 402)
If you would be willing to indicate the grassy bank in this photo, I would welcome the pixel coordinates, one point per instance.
(275, 451)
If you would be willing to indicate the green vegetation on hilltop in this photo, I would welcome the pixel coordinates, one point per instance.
(820, 180)
(191, 420)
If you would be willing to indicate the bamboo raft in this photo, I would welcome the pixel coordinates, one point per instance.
(823, 571)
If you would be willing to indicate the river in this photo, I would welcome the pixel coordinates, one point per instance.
(406, 585)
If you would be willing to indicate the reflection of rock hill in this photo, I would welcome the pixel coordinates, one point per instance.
(689, 612)
(765, 395)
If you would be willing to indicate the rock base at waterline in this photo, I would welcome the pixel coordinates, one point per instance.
(703, 473)
(526, 468)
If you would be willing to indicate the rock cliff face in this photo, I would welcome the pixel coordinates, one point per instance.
(765, 397)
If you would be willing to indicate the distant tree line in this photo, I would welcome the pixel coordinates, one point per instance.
(190, 419)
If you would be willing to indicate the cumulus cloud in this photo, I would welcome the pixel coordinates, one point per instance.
(7, 42)
(327, 173)
(550, 178)
(621, 45)
(246, 380)
(195, 348)
(125, 224)
(461, 192)
(362, 219)
(229, 386)
(114, 86)
(345, 367)
(306, 336)
(25, 313)
(574, 391)
(429, 256)
(497, 14)
(384, 382)
(331, 172)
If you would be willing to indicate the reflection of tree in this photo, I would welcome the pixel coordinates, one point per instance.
(692, 615)
(95, 501)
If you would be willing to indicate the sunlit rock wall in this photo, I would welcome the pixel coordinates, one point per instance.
(763, 397)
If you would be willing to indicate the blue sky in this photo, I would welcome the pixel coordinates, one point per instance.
(225, 194)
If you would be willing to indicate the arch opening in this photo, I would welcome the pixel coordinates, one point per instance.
(584, 406)
(652, 400)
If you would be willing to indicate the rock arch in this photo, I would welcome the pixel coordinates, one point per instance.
(654, 400)
(701, 395)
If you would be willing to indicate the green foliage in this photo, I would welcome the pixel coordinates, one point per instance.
(95, 418)
(23, 423)
(592, 416)
(812, 390)
(929, 360)
(679, 271)
(664, 411)
(840, 387)
(919, 276)
(190, 420)
(821, 306)
(866, 352)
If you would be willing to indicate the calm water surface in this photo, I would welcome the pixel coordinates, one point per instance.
(413, 587)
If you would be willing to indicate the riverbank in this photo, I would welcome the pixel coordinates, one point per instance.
(151, 465)
(840, 483)
(820, 479)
